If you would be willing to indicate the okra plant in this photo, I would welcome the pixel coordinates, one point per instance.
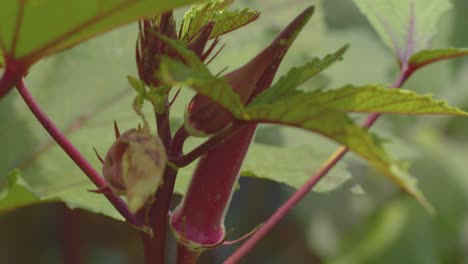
(135, 176)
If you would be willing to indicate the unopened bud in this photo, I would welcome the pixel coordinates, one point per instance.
(134, 166)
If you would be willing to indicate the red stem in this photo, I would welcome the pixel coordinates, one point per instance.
(74, 154)
(154, 248)
(181, 161)
(297, 196)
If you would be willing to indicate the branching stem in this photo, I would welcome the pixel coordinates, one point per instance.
(184, 160)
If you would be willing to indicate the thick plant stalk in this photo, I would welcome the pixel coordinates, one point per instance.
(200, 218)
(198, 222)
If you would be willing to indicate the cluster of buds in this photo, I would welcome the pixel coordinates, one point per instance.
(150, 48)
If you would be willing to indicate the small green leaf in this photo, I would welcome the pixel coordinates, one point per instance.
(426, 57)
(288, 83)
(215, 11)
(405, 26)
(137, 84)
(188, 56)
(203, 82)
(18, 193)
(31, 30)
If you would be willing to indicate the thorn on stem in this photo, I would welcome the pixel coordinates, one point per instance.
(98, 156)
(116, 129)
(101, 190)
(175, 97)
(210, 49)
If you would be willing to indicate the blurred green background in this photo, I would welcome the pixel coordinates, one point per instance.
(365, 220)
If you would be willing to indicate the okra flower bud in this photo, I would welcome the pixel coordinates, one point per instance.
(134, 166)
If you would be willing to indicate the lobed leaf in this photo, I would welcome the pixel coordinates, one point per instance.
(405, 26)
(425, 57)
(215, 11)
(31, 30)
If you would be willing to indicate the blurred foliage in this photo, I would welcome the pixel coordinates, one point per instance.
(378, 225)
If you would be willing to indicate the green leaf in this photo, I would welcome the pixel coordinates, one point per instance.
(292, 166)
(288, 83)
(378, 98)
(137, 84)
(405, 26)
(31, 30)
(321, 112)
(82, 90)
(188, 56)
(426, 57)
(17, 193)
(215, 11)
(297, 164)
(335, 124)
(202, 81)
